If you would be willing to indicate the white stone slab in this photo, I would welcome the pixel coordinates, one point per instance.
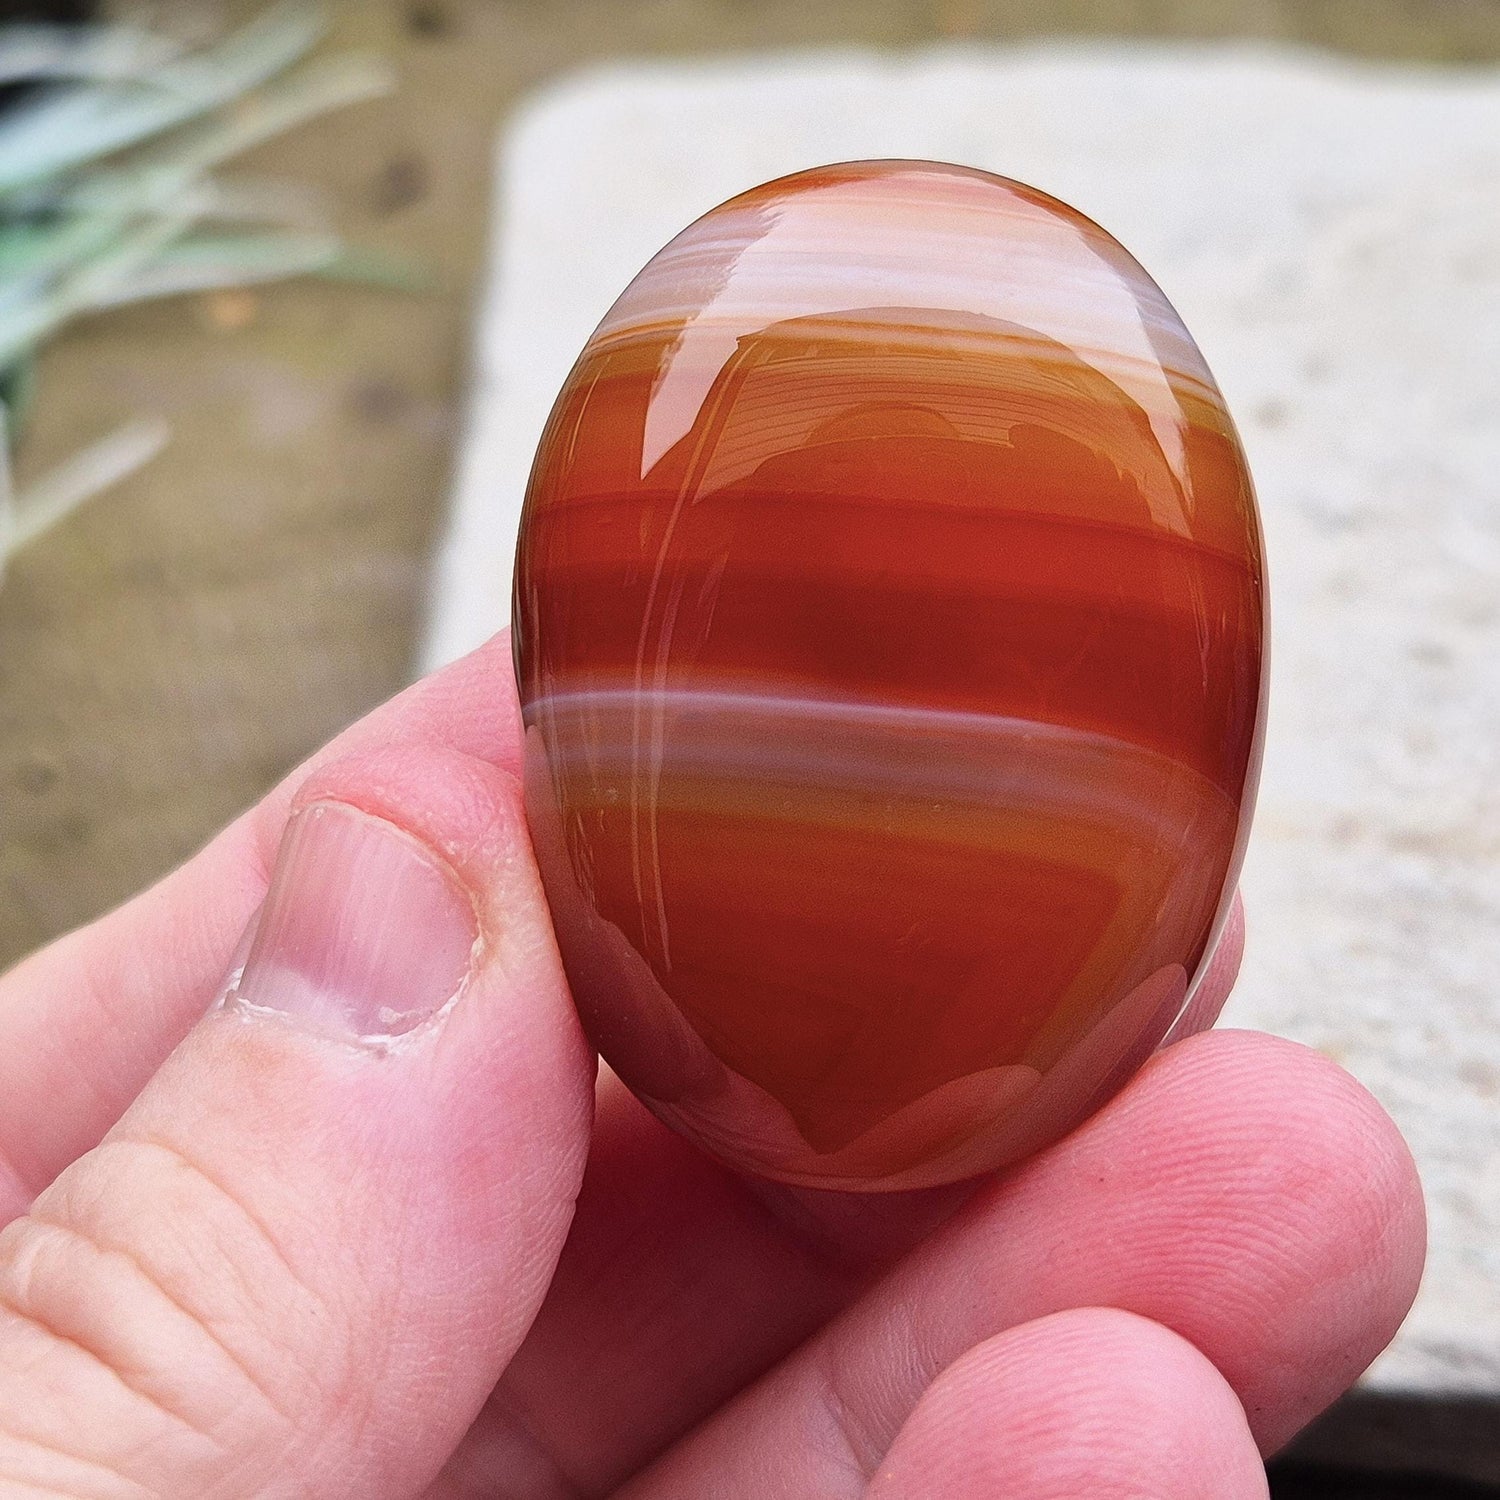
(1331, 234)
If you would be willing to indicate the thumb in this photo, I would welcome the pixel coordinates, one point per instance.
(301, 1260)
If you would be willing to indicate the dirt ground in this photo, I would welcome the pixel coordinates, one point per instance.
(170, 652)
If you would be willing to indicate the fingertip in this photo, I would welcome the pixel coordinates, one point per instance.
(1092, 1401)
(1276, 1216)
(511, 1049)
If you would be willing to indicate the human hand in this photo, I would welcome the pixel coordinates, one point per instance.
(285, 1261)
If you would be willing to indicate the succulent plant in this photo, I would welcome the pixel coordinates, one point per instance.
(110, 194)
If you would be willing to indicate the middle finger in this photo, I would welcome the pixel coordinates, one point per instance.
(1242, 1192)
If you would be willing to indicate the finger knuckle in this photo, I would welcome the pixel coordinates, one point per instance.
(143, 1283)
(862, 1413)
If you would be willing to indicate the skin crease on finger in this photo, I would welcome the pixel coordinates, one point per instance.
(657, 1317)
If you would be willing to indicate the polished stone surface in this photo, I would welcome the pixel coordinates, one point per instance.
(890, 631)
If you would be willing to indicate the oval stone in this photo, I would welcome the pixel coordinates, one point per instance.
(889, 626)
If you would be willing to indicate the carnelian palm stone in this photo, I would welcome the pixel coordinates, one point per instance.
(889, 628)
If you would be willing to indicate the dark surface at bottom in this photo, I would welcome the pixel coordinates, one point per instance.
(1306, 1482)
(1381, 1445)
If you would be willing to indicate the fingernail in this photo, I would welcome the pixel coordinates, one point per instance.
(364, 933)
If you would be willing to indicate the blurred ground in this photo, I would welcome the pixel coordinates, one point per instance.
(173, 650)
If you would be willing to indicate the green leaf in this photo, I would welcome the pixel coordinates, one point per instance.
(7, 491)
(18, 392)
(57, 263)
(75, 124)
(321, 86)
(37, 248)
(38, 52)
(24, 322)
(92, 215)
(165, 170)
(61, 490)
(367, 267)
(209, 262)
(78, 233)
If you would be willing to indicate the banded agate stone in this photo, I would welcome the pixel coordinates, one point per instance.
(889, 629)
